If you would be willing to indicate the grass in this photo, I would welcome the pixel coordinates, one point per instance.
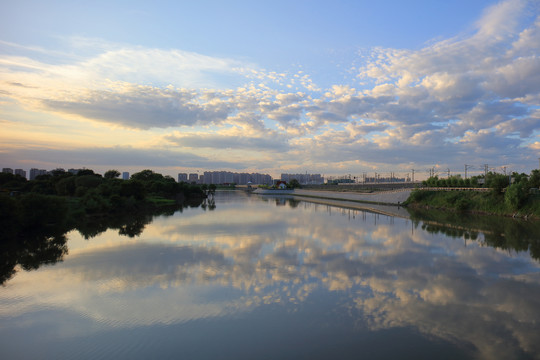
(471, 201)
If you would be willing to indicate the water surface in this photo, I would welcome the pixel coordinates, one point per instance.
(265, 278)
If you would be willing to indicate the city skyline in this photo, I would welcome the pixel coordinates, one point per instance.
(334, 88)
(243, 178)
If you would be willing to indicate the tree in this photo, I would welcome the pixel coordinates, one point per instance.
(88, 181)
(496, 181)
(516, 195)
(132, 188)
(111, 174)
(84, 172)
(147, 175)
(66, 186)
(294, 184)
(534, 180)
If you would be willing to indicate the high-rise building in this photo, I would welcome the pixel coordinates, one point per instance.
(125, 175)
(7, 170)
(227, 177)
(20, 172)
(182, 177)
(193, 178)
(304, 179)
(36, 172)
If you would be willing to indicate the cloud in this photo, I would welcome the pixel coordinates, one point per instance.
(523, 127)
(143, 107)
(272, 142)
(500, 20)
(119, 156)
(395, 275)
(403, 106)
(517, 79)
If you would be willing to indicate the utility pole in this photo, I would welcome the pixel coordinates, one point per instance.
(448, 173)
(466, 170)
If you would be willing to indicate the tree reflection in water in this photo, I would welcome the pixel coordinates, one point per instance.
(328, 273)
(45, 243)
(498, 232)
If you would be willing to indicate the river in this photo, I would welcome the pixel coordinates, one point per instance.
(255, 277)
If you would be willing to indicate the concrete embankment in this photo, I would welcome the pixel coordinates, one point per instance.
(394, 197)
(384, 202)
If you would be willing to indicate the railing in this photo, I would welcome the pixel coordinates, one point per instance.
(455, 189)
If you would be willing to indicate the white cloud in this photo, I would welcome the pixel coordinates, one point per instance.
(411, 102)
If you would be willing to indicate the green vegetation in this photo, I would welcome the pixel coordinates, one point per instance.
(520, 198)
(293, 184)
(502, 233)
(63, 198)
(90, 193)
(35, 215)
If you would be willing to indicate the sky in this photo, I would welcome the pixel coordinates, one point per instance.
(338, 87)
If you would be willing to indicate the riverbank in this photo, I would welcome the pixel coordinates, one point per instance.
(384, 202)
(394, 197)
(482, 203)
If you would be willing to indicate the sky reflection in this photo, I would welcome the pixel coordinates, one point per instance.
(249, 255)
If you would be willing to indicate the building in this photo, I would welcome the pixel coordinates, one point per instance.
(36, 172)
(7, 170)
(20, 172)
(304, 179)
(182, 177)
(125, 175)
(193, 178)
(227, 177)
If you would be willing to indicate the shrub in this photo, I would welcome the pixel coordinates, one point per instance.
(516, 195)
(463, 204)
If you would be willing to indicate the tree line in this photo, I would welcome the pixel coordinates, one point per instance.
(508, 194)
(97, 193)
(35, 215)
(62, 195)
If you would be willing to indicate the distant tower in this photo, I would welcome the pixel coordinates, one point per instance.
(125, 175)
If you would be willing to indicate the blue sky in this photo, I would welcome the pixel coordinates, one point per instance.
(341, 87)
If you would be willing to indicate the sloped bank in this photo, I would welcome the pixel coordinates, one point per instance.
(482, 203)
(386, 202)
(394, 197)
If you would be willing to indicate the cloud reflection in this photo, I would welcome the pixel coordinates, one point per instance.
(200, 265)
